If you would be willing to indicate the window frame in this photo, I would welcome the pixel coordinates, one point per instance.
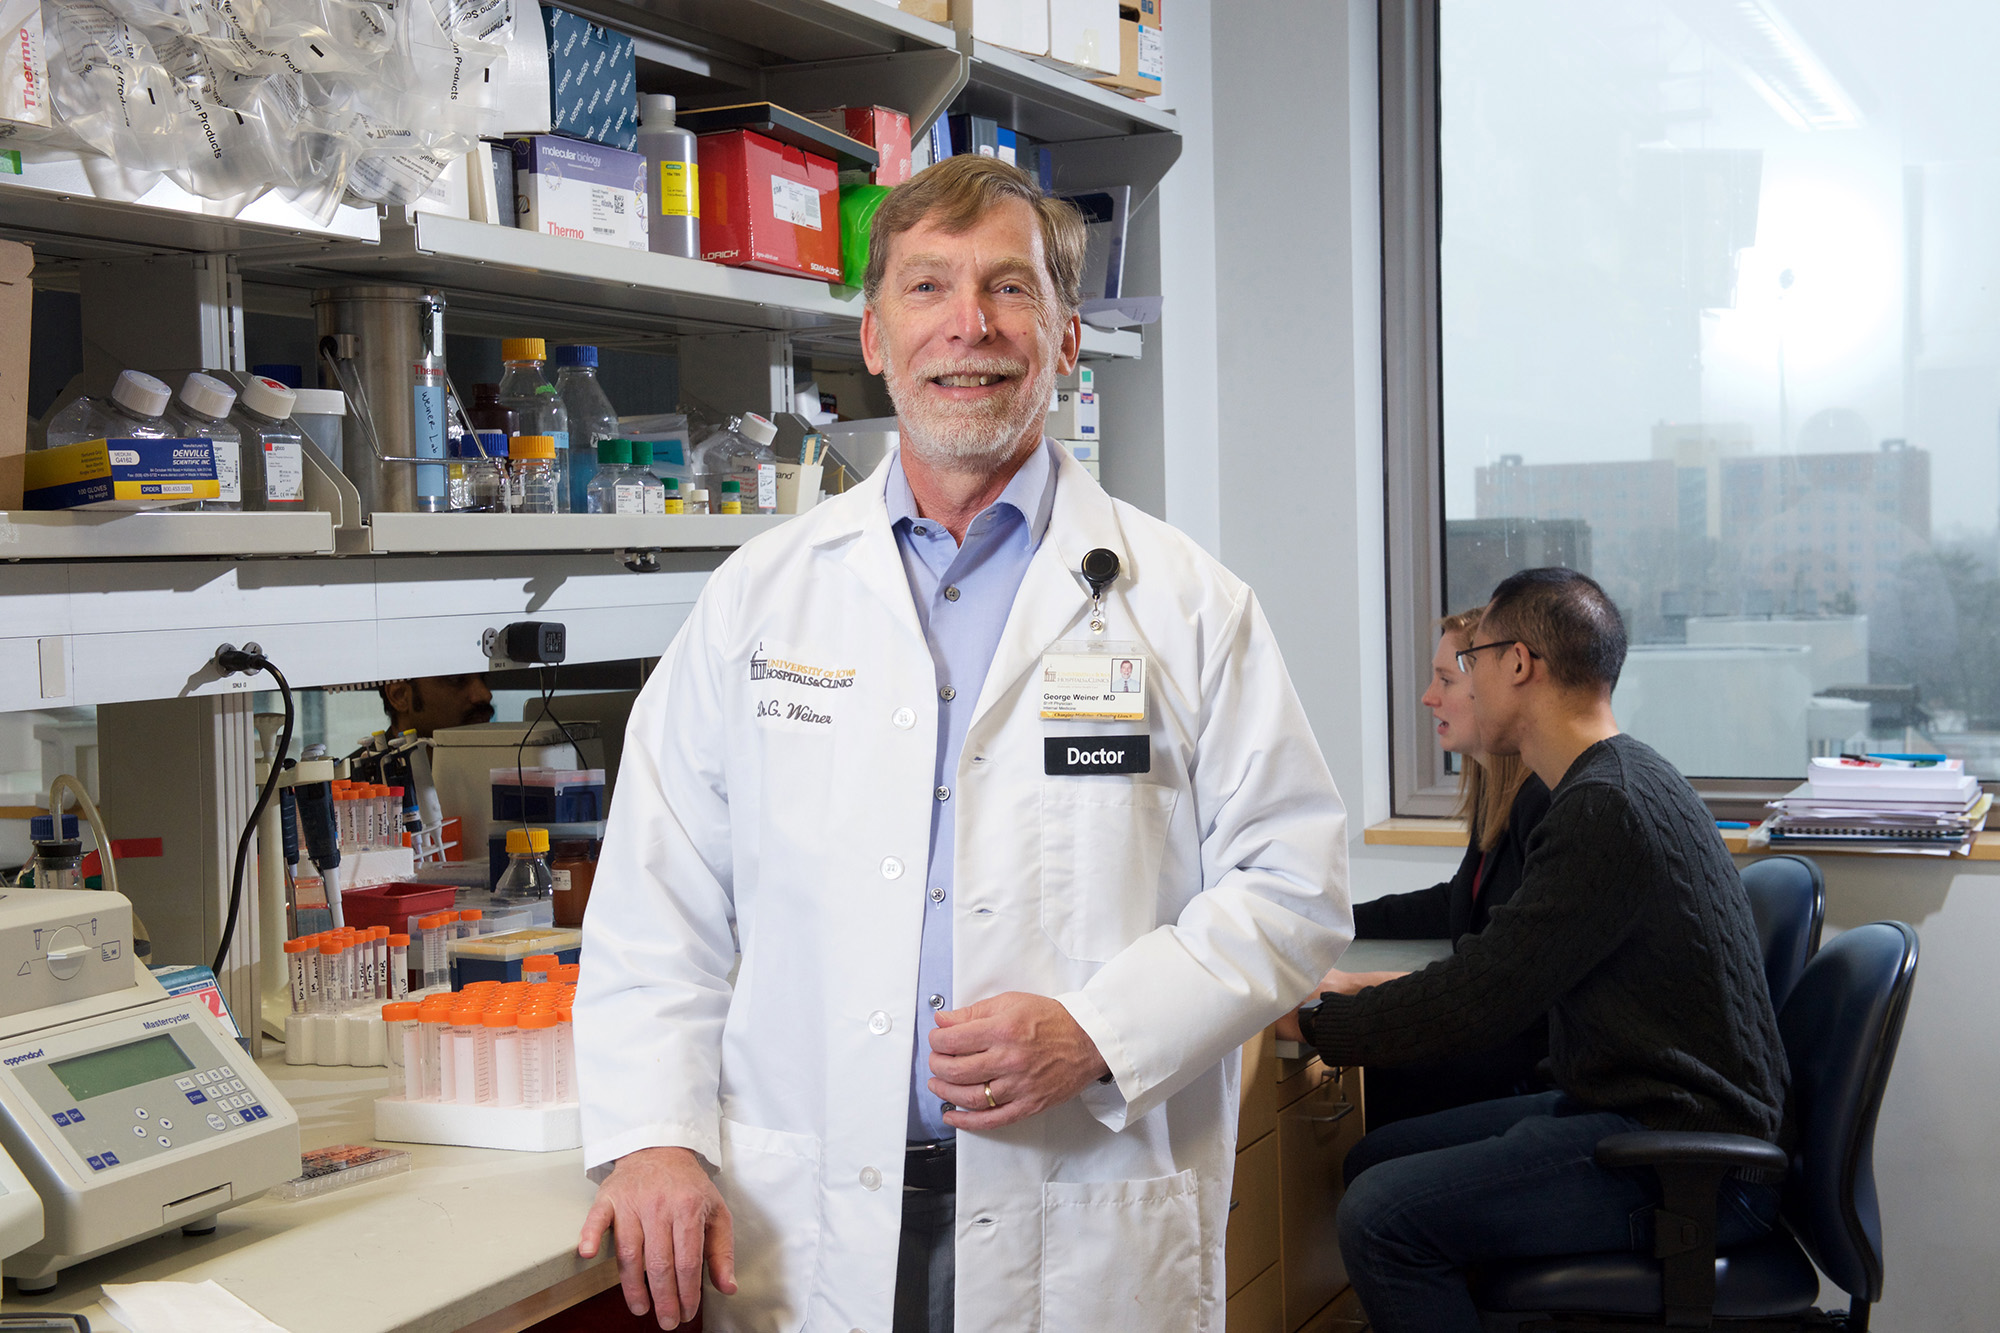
(1413, 416)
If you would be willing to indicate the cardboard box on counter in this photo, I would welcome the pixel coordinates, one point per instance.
(593, 81)
(1018, 25)
(1142, 61)
(1083, 37)
(121, 474)
(583, 191)
(769, 206)
(17, 311)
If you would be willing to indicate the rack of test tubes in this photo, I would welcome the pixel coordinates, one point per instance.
(490, 1066)
(339, 979)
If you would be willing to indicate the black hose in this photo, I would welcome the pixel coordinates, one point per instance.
(238, 660)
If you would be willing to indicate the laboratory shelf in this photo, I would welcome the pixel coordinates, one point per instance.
(80, 535)
(1112, 344)
(439, 534)
(1049, 105)
(512, 273)
(55, 206)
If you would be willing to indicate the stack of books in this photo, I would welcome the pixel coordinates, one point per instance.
(1924, 804)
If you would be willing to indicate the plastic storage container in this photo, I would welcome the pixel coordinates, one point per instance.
(133, 412)
(548, 795)
(673, 226)
(591, 417)
(537, 408)
(499, 957)
(393, 905)
(202, 409)
(322, 414)
(274, 477)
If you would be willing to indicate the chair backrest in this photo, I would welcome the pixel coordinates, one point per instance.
(1840, 1027)
(1788, 900)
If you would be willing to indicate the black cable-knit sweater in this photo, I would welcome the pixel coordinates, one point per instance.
(1632, 930)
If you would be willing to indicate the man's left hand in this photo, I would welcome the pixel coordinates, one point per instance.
(1025, 1048)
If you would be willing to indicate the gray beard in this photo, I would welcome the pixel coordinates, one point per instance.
(969, 441)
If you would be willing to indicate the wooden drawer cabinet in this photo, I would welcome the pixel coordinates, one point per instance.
(1315, 1132)
(1252, 1243)
(1257, 1104)
(1259, 1307)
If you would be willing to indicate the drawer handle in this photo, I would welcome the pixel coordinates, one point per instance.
(1234, 1204)
(1346, 1109)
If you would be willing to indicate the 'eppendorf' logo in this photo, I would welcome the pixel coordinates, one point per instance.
(799, 673)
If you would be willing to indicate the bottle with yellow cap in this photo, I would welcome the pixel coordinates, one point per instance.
(537, 480)
(538, 410)
(527, 877)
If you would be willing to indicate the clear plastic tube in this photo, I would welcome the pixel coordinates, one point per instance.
(538, 1049)
(483, 1038)
(378, 942)
(438, 1081)
(405, 1040)
(506, 1057)
(565, 1056)
(399, 966)
(472, 1076)
(295, 960)
(329, 976)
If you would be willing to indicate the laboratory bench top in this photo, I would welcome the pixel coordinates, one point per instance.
(467, 1237)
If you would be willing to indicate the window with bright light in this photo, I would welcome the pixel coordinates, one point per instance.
(1720, 325)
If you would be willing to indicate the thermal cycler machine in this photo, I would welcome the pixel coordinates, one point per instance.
(130, 1111)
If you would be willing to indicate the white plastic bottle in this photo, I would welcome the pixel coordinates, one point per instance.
(673, 219)
(274, 465)
(202, 409)
(132, 412)
(537, 409)
(591, 416)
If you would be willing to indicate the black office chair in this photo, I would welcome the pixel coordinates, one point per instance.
(1788, 900)
(1840, 1026)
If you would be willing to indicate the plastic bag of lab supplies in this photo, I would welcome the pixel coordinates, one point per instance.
(109, 88)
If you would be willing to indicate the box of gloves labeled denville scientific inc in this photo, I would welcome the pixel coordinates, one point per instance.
(121, 474)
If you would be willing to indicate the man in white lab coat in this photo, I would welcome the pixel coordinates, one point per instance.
(1000, 937)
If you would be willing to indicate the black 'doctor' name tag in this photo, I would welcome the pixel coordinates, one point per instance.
(1097, 754)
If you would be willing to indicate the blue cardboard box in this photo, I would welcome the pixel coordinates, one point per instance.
(593, 81)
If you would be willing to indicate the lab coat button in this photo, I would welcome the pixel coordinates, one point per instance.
(904, 718)
(871, 1179)
(891, 868)
(878, 1023)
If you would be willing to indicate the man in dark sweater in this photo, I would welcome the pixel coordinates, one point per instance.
(1630, 929)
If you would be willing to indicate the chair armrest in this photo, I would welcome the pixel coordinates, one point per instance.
(1668, 1148)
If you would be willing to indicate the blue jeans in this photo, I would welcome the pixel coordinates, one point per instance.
(925, 1263)
(1507, 1179)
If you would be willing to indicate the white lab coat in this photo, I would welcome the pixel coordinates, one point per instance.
(1174, 913)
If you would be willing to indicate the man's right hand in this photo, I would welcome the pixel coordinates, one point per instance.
(666, 1215)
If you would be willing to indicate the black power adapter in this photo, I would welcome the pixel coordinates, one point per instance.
(526, 643)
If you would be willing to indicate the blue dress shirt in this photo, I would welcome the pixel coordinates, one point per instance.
(963, 596)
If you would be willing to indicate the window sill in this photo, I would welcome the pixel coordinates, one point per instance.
(1408, 832)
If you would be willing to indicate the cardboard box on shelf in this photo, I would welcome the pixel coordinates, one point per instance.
(24, 80)
(583, 191)
(937, 11)
(1073, 416)
(1142, 61)
(1083, 37)
(1018, 25)
(1152, 13)
(17, 309)
(593, 81)
(768, 206)
(882, 128)
(121, 474)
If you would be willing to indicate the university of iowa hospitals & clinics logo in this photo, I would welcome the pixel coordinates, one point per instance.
(799, 673)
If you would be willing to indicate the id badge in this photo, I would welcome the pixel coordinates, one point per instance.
(1094, 682)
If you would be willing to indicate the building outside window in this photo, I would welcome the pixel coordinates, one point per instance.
(1718, 322)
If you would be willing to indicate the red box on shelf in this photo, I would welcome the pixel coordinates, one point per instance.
(882, 128)
(768, 206)
(393, 905)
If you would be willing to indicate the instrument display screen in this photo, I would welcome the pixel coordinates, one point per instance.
(119, 1067)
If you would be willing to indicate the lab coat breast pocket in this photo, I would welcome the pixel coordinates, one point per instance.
(1122, 1254)
(770, 1180)
(1103, 842)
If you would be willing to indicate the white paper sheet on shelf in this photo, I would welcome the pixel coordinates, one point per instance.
(171, 1307)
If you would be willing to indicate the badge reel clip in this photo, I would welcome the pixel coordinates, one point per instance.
(1100, 571)
(1089, 683)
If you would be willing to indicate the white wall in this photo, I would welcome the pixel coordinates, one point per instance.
(1285, 148)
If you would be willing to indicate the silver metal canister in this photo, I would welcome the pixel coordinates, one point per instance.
(384, 348)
